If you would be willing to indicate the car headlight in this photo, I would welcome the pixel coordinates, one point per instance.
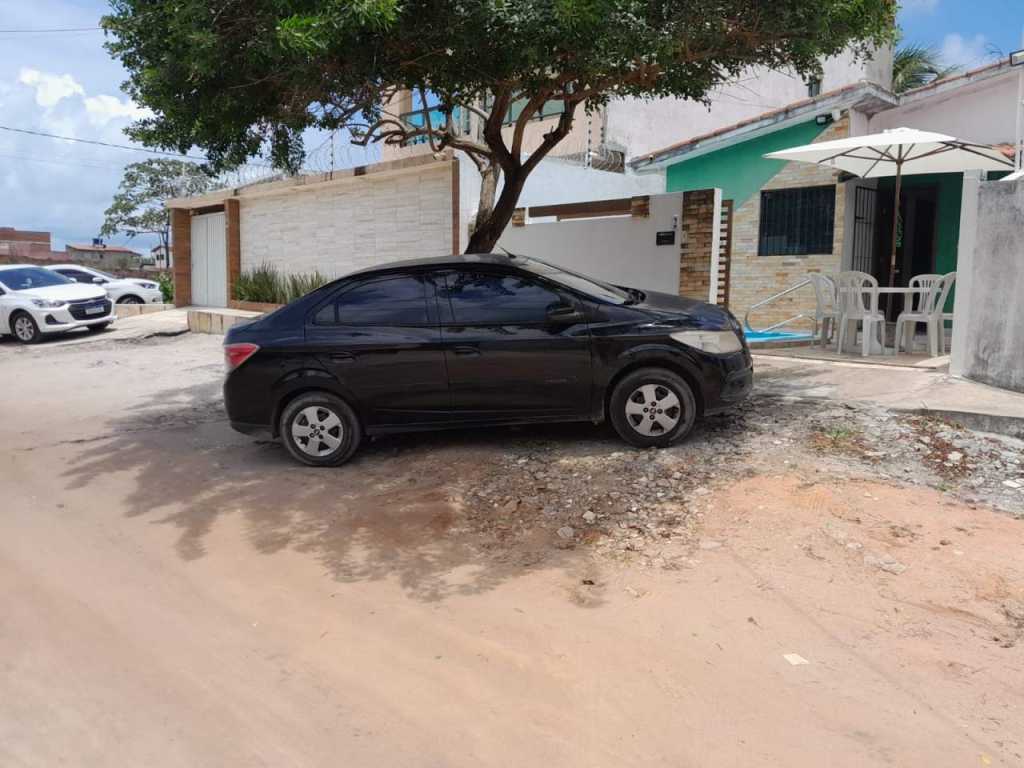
(149, 286)
(716, 342)
(49, 303)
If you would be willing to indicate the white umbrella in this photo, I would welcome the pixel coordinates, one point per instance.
(897, 152)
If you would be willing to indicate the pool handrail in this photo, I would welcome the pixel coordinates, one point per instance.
(769, 300)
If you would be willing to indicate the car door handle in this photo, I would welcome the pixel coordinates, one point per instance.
(341, 357)
(466, 351)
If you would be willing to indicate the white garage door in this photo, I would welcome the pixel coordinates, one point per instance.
(209, 261)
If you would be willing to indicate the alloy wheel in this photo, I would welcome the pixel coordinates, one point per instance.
(653, 410)
(24, 329)
(317, 431)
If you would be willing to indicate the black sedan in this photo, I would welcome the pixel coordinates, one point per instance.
(479, 341)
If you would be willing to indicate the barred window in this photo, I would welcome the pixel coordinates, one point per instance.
(797, 222)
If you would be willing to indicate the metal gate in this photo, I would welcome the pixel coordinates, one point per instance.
(209, 261)
(864, 230)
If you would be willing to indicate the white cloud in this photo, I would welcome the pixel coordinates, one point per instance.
(965, 51)
(50, 89)
(103, 108)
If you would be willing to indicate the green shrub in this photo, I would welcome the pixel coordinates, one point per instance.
(166, 282)
(266, 284)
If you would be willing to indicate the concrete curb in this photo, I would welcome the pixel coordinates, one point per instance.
(217, 321)
(996, 423)
(132, 310)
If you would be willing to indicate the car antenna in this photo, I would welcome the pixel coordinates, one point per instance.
(507, 252)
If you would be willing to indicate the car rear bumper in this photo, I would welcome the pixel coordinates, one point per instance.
(248, 428)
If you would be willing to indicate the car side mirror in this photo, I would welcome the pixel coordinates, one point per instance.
(98, 280)
(565, 314)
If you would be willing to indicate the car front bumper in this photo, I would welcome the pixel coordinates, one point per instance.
(70, 317)
(735, 383)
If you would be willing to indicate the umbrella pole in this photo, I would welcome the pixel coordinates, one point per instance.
(891, 298)
(895, 224)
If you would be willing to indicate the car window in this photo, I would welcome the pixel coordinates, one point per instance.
(492, 298)
(24, 278)
(391, 301)
(76, 275)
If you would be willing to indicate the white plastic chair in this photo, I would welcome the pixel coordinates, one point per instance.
(826, 313)
(927, 310)
(858, 303)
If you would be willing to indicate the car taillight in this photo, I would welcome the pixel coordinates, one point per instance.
(236, 354)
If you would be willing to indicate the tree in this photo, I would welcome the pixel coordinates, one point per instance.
(917, 65)
(138, 206)
(243, 79)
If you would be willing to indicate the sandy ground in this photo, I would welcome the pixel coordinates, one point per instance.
(174, 594)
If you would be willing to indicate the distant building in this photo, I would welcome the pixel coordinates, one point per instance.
(18, 245)
(160, 255)
(100, 254)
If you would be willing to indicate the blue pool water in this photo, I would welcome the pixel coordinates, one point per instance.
(760, 337)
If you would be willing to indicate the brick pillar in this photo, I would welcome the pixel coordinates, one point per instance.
(695, 249)
(181, 242)
(234, 244)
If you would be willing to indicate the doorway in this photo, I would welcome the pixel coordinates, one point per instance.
(209, 261)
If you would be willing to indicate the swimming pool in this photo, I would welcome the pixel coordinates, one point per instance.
(764, 337)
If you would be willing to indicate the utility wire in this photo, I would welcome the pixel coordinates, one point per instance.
(97, 143)
(48, 31)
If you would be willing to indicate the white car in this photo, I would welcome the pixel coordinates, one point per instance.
(121, 290)
(35, 302)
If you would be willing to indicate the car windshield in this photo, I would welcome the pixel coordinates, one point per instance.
(100, 273)
(23, 278)
(588, 285)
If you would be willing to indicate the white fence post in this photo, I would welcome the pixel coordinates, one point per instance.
(716, 246)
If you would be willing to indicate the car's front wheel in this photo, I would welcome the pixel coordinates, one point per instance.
(320, 429)
(25, 328)
(653, 408)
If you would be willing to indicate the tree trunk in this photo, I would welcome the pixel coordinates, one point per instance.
(489, 228)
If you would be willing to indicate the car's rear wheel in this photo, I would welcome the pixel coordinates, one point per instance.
(320, 429)
(24, 327)
(653, 408)
(130, 300)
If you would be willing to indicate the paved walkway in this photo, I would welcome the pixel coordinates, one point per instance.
(911, 389)
(169, 322)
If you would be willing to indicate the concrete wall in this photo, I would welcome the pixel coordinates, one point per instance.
(619, 249)
(556, 181)
(988, 343)
(979, 108)
(354, 223)
(640, 127)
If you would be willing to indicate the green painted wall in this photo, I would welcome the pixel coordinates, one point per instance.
(740, 170)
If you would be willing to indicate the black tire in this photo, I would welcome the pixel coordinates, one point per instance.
(99, 327)
(130, 299)
(348, 432)
(643, 424)
(25, 332)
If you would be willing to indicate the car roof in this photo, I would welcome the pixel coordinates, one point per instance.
(4, 267)
(68, 266)
(498, 259)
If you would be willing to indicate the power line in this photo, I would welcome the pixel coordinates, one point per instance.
(48, 31)
(110, 145)
(97, 143)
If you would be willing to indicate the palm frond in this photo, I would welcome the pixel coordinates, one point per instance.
(916, 65)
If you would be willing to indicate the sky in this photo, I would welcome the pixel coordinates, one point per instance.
(66, 84)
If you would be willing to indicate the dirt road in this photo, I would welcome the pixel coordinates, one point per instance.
(174, 594)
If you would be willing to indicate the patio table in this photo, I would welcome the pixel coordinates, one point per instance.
(851, 345)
